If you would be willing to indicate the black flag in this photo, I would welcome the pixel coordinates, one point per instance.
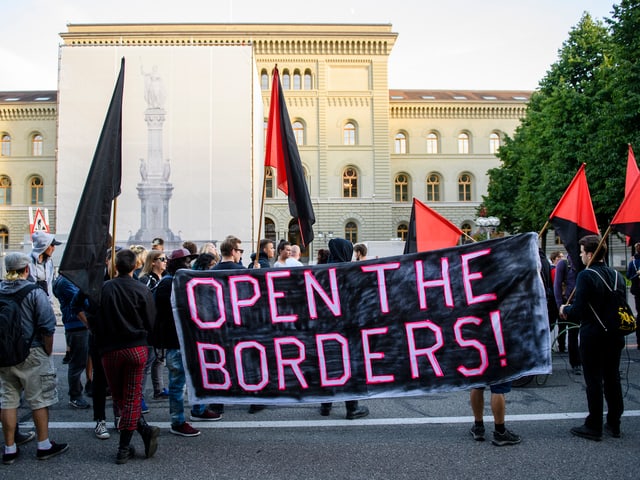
(83, 261)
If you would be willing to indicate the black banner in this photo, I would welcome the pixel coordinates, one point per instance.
(407, 325)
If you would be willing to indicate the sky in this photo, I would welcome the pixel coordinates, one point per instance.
(466, 44)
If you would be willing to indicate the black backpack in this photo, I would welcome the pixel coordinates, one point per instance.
(14, 347)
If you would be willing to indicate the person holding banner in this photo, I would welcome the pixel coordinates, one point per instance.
(563, 285)
(341, 250)
(501, 436)
(599, 349)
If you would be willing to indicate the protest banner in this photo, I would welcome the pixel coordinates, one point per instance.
(413, 324)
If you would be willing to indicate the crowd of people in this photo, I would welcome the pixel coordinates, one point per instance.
(131, 335)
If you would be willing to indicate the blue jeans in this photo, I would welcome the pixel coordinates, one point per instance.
(78, 342)
(176, 386)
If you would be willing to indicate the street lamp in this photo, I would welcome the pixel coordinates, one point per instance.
(488, 223)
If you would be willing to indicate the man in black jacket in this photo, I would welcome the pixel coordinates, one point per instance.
(127, 314)
(600, 349)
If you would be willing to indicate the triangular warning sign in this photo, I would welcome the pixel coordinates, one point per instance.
(39, 222)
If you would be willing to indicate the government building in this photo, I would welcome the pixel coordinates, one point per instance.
(367, 150)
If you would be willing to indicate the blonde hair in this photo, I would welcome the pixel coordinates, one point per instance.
(141, 254)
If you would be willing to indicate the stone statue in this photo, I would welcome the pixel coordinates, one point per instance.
(153, 89)
(143, 170)
(166, 170)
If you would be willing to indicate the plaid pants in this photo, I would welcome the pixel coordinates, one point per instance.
(125, 371)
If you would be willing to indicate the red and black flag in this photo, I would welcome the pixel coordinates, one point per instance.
(428, 230)
(282, 154)
(627, 218)
(632, 175)
(573, 217)
(83, 261)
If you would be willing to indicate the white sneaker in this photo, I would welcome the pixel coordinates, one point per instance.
(101, 430)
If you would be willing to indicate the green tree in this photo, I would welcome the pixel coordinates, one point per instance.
(577, 115)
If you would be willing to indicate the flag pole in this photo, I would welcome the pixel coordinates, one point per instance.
(112, 270)
(256, 262)
(544, 229)
(469, 237)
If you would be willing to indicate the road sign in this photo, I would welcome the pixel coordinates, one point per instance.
(39, 220)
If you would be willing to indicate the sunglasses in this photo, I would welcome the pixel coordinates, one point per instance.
(239, 250)
(162, 259)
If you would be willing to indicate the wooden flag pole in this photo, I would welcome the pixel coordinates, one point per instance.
(112, 270)
(256, 262)
(544, 229)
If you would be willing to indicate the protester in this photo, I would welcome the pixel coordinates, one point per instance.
(41, 268)
(501, 436)
(323, 256)
(600, 350)
(157, 244)
(77, 336)
(563, 285)
(165, 336)
(360, 251)
(127, 314)
(141, 256)
(294, 257)
(266, 253)
(35, 377)
(634, 276)
(554, 320)
(341, 250)
(209, 247)
(283, 253)
(204, 261)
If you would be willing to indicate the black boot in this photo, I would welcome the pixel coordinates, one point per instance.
(125, 451)
(149, 436)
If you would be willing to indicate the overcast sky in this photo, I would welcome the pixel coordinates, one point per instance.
(466, 44)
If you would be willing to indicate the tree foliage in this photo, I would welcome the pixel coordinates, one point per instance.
(585, 110)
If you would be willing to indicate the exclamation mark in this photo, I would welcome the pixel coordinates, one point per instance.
(496, 324)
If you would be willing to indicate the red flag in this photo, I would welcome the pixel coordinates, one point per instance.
(573, 217)
(627, 218)
(83, 260)
(282, 154)
(428, 230)
(632, 174)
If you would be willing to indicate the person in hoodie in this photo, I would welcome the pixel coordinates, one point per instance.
(267, 252)
(341, 250)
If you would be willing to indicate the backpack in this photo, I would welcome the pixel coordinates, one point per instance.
(619, 318)
(14, 347)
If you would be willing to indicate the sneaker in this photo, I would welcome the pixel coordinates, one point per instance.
(9, 458)
(22, 438)
(477, 432)
(144, 407)
(359, 412)
(184, 430)
(586, 432)
(325, 410)
(217, 408)
(124, 454)
(56, 449)
(162, 395)
(609, 430)
(101, 430)
(79, 403)
(506, 438)
(577, 370)
(206, 416)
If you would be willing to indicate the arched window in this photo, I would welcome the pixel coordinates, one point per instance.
(433, 187)
(402, 231)
(349, 132)
(432, 144)
(400, 143)
(36, 145)
(269, 191)
(4, 236)
(6, 145)
(464, 187)
(5, 190)
(297, 80)
(463, 143)
(298, 132)
(286, 80)
(494, 143)
(264, 80)
(37, 190)
(401, 186)
(270, 229)
(350, 183)
(466, 228)
(308, 80)
(351, 232)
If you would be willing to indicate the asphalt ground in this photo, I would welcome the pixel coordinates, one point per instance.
(410, 437)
